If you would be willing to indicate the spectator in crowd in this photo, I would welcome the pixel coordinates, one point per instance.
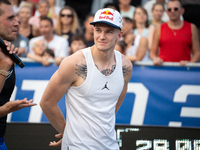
(38, 51)
(25, 29)
(121, 47)
(126, 9)
(34, 4)
(16, 5)
(22, 43)
(78, 42)
(82, 8)
(157, 11)
(112, 5)
(141, 22)
(53, 11)
(43, 8)
(48, 54)
(88, 30)
(149, 5)
(67, 23)
(57, 43)
(176, 39)
(9, 27)
(137, 45)
(192, 12)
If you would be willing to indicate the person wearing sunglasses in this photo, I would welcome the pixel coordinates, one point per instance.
(176, 40)
(67, 23)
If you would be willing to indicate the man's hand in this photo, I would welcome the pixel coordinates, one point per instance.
(57, 144)
(183, 62)
(157, 61)
(5, 60)
(15, 105)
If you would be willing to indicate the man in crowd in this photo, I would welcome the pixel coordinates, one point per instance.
(57, 43)
(88, 32)
(8, 31)
(176, 39)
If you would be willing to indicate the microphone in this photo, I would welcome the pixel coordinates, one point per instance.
(13, 57)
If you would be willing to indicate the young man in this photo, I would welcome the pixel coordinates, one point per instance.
(88, 78)
(57, 43)
(9, 27)
(176, 39)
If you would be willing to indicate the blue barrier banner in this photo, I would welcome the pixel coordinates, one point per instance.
(157, 96)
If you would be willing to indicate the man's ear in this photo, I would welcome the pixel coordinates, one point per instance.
(182, 11)
(120, 35)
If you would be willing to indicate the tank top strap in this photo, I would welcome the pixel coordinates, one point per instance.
(118, 59)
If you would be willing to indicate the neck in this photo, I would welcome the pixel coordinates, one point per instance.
(88, 36)
(65, 28)
(124, 7)
(49, 38)
(175, 24)
(156, 22)
(24, 25)
(140, 25)
(103, 59)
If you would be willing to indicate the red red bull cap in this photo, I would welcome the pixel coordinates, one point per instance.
(108, 16)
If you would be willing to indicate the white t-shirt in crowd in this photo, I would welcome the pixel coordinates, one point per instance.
(129, 13)
(58, 44)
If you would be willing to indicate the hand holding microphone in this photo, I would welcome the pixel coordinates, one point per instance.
(12, 56)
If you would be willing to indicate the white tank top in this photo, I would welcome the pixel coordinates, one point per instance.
(90, 107)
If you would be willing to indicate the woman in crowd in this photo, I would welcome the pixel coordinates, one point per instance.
(141, 24)
(67, 23)
(53, 11)
(43, 8)
(25, 28)
(157, 12)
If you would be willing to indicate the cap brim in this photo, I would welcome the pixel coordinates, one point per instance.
(108, 23)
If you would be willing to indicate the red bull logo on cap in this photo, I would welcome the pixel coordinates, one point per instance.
(106, 15)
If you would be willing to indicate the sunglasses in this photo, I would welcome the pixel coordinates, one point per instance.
(69, 16)
(170, 9)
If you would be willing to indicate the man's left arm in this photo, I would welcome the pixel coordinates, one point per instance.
(127, 72)
(195, 44)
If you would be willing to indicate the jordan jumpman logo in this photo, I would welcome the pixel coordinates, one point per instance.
(105, 87)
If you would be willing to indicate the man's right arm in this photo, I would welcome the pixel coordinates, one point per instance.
(58, 85)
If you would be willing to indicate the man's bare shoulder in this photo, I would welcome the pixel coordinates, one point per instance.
(127, 67)
(75, 58)
(74, 67)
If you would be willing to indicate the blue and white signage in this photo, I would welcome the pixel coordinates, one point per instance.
(157, 96)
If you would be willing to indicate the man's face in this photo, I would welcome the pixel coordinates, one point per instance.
(125, 2)
(8, 23)
(127, 27)
(87, 25)
(46, 28)
(106, 36)
(174, 10)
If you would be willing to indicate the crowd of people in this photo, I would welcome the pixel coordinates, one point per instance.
(155, 32)
(89, 74)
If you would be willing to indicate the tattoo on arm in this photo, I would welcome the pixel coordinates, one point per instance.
(108, 72)
(81, 70)
(126, 70)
